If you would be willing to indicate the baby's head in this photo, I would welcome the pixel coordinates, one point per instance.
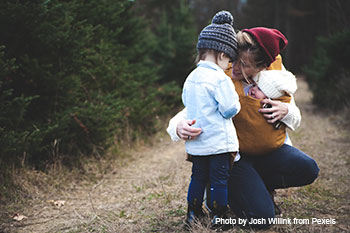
(256, 92)
(273, 84)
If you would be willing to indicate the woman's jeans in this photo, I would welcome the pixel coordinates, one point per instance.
(251, 179)
(213, 169)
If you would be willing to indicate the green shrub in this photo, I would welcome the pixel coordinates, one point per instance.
(329, 73)
(75, 76)
(175, 38)
(12, 110)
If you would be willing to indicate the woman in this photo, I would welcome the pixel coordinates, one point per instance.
(254, 178)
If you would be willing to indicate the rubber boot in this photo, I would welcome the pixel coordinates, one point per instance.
(219, 212)
(278, 210)
(194, 212)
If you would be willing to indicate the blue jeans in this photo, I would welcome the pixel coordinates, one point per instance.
(252, 177)
(213, 169)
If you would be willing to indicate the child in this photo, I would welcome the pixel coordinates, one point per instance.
(210, 97)
(259, 137)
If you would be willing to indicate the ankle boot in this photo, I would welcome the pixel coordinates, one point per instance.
(278, 210)
(194, 212)
(219, 212)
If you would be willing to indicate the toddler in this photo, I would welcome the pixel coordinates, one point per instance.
(210, 97)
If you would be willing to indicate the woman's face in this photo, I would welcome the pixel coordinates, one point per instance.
(244, 66)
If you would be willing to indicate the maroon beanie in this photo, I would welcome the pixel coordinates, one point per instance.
(270, 40)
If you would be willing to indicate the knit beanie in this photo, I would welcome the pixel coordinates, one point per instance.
(276, 83)
(219, 35)
(270, 40)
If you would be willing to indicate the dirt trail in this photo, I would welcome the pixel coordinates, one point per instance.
(147, 192)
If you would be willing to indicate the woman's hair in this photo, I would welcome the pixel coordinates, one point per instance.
(247, 44)
(202, 53)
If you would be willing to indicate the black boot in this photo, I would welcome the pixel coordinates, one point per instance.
(194, 212)
(278, 210)
(219, 212)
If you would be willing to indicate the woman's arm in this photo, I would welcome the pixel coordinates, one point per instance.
(288, 113)
(180, 128)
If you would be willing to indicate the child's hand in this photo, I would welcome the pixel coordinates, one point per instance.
(277, 112)
(185, 130)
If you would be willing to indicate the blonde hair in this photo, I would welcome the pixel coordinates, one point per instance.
(247, 44)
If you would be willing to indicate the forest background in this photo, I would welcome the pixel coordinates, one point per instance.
(82, 78)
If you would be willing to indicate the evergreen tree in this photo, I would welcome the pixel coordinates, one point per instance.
(175, 38)
(329, 74)
(84, 76)
(12, 111)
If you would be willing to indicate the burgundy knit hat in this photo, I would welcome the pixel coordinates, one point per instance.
(271, 40)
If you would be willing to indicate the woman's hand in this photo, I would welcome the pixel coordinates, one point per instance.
(185, 131)
(277, 112)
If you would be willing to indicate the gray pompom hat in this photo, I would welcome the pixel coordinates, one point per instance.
(220, 35)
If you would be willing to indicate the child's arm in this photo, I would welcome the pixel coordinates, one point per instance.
(227, 98)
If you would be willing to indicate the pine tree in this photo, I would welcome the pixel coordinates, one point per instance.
(84, 76)
(175, 38)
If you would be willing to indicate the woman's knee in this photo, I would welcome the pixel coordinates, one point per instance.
(311, 171)
(305, 166)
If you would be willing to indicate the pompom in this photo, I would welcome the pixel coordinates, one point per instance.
(223, 17)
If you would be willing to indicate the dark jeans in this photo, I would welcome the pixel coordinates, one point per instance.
(213, 169)
(252, 177)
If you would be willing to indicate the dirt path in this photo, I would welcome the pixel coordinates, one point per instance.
(147, 191)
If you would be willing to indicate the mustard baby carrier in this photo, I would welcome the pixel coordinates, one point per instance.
(255, 135)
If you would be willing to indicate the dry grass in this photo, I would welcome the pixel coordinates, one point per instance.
(145, 190)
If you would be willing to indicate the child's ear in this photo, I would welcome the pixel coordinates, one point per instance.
(222, 56)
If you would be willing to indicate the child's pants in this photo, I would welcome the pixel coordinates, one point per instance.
(213, 169)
